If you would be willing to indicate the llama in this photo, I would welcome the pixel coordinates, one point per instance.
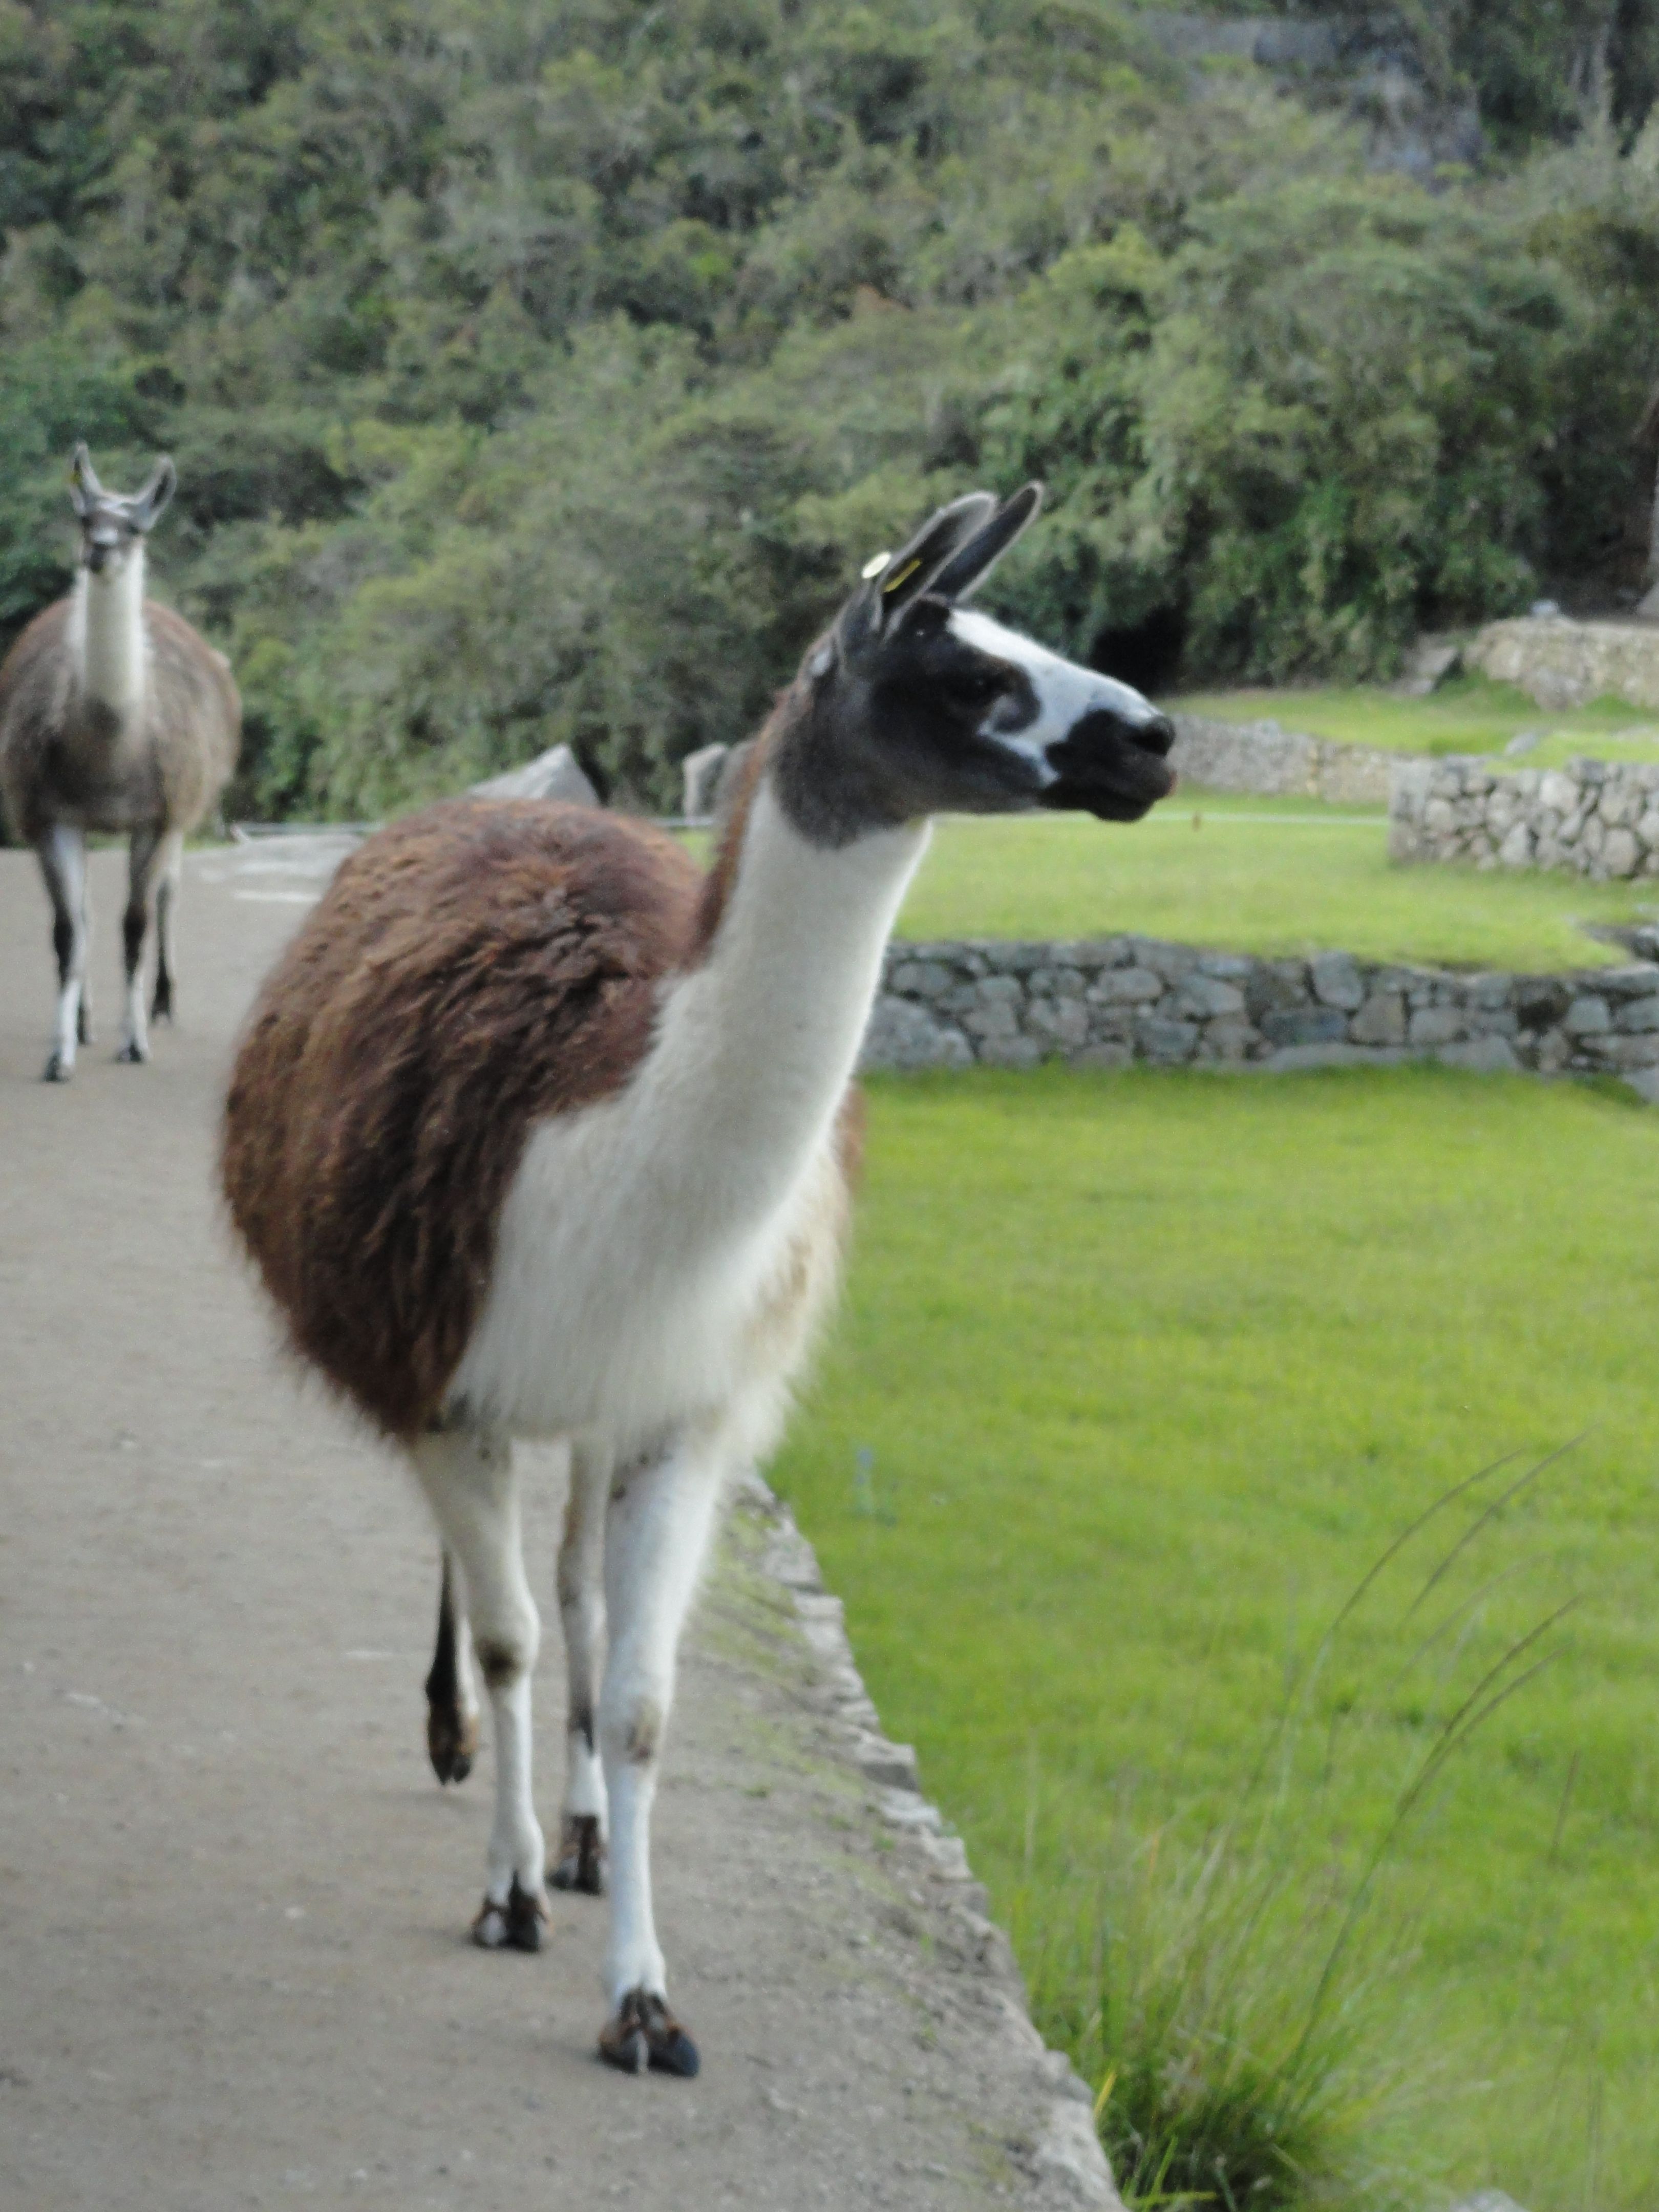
(536, 1131)
(114, 715)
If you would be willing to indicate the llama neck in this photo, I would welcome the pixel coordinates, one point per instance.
(106, 636)
(757, 1046)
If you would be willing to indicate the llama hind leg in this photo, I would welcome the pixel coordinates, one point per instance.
(658, 1523)
(143, 863)
(581, 1862)
(169, 871)
(451, 1701)
(469, 1480)
(62, 852)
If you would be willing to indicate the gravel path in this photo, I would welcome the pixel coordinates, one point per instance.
(234, 1968)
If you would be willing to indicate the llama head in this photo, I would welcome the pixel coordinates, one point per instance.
(915, 704)
(112, 522)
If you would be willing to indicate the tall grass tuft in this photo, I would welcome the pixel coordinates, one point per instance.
(1243, 2003)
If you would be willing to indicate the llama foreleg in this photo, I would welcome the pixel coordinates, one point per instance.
(62, 852)
(580, 1863)
(452, 1700)
(469, 1481)
(657, 1527)
(143, 863)
(169, 871)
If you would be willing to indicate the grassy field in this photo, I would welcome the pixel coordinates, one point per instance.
(1266, 876)
(1470, 714)
(1139, 1375)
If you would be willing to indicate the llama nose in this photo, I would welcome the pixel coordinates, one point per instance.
(1156, 736)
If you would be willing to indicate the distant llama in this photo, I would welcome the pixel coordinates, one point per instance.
(114, 715)
(536, 1131)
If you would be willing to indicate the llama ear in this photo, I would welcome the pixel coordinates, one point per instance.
(147, 505)
(967, 569)
(84, 486)
(903, 576)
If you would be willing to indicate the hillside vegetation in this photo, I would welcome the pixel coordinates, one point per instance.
(542, 372)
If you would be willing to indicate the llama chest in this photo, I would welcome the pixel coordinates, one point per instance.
(629, 1293)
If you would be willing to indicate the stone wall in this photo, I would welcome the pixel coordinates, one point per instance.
(1114, 1001)
(1275, 762)
(1598, 819)
(1563, 662)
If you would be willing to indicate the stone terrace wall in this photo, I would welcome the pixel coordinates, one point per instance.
(1600, 819)
(1275, 762)
(1563, 662)
(1109, 1002)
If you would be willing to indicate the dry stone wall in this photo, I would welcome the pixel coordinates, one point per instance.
(1112, 1001)
(1599, 818)
(1275, 762)
(1563, 662)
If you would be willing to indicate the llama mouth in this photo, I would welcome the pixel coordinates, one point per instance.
(1116, 779)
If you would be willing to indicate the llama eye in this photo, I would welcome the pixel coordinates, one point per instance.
(974, 687)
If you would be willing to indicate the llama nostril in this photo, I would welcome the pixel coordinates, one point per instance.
(1156, 736)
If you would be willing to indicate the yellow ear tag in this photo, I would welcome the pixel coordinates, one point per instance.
(899, 576)
(874, 565)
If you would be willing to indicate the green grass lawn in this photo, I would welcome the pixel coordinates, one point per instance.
(1265, 876)
(1138, 1375)
(1469, 714)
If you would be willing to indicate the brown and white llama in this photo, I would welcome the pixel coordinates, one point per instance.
(537, 1132)
(114, 715)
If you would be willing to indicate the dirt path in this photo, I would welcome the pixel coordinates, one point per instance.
(232, 1900)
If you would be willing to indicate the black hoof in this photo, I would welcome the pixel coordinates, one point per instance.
(517, 1925)
(130, 1056)
(160, 1006)
(646, 2034)
(581, 1856)
(452, 1742)
(57, 1069)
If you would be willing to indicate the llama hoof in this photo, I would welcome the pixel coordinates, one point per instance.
(57, 1069)
(581, 1855)
(160, 1006)
(646, 2034)
(131, 1055)
(452, 1741)
(516, 1925)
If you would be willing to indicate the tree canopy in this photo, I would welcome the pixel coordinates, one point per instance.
(544, 371)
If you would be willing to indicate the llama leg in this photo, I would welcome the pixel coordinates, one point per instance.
(656, 1528)
(142, 866)
(468, 1479)
(170, 866)
(62, 852)
(451, 1701)
(582, 1609)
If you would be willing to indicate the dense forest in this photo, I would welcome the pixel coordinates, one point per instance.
(541, 369)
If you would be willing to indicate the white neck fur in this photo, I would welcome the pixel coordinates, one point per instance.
(759, 1043)
(106, 633)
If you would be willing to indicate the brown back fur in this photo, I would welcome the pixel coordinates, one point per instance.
(472, 968)
(60, 759)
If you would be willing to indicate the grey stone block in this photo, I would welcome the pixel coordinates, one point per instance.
(1010, 1051)
(1638, 1014)
(1127, 986)
(1434, 1025)
(1487, 1055)
(904, 1034)
(1336, 981)
(1163, 1040)
(1381, 1020)
(1293, 1025)
(1588, 1016)
(1198, 998)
